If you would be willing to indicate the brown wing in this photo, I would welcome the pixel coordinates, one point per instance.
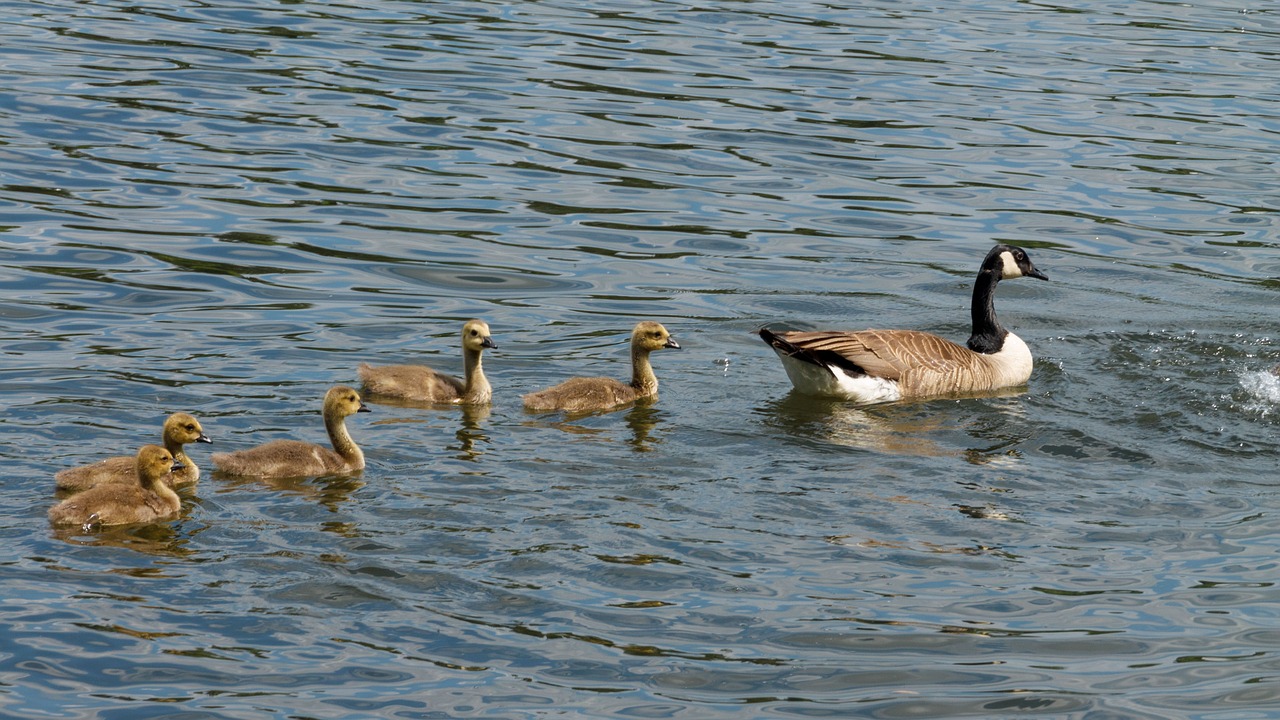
(890, 354)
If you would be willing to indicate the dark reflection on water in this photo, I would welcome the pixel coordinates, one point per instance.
(224, 209)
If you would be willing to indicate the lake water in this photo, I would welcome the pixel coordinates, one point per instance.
(224, 207)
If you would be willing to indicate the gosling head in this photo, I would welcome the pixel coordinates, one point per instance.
(649, 336)
(185, 429)
(1011, 261)
(475, 336)
(343, 401)
(154, 462)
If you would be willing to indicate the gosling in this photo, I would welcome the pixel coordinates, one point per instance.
(594, 394)
(419, 383)
(179, 429)
(294, 458)
(147, 499)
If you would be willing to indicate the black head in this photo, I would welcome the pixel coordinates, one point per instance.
(1011, 261)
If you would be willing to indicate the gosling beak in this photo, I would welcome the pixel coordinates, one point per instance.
(364, 408)
(671, 343)
(203, 438)
(489, 343)
(176, 466)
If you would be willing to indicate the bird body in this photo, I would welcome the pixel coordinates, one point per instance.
(593, 394)
(294, 458)
(179, 429)
(420, 383)
(148, 499)
(872, 366)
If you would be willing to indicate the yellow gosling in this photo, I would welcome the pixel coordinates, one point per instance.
(420, 383)
(179, 429)
(148, 499)
(294, 458)
(593, 394)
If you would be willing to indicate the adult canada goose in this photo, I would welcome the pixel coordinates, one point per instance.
(294, 458)
(147, 499)
(591, 394)
(179, 429)
(873, 366)
(420, 383)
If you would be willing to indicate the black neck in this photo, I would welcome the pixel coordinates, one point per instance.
(988, 335)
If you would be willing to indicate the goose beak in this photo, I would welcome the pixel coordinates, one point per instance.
(671, 343)
(1033, 271)
(489, 343)
(203, 438)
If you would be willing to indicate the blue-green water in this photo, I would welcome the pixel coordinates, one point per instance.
(224, 207)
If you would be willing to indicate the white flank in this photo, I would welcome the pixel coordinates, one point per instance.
(828, 381)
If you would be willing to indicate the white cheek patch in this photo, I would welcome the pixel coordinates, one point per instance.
(1010, 267)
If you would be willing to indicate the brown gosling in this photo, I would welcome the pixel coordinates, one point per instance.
(148, 499)
(420, 383)
(179, 429)
(873, 366)
(593, 394)
(294, 458)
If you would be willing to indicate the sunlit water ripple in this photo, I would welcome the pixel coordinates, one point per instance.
(223, 208)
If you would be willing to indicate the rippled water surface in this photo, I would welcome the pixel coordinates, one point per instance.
(224, 207)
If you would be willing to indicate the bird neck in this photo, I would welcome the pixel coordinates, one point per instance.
(160, 488)
(642, 377)
(988, 335)
(476, 387)
(341, 439)
(175, 449)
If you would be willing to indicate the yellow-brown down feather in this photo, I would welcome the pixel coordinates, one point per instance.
(582, 395)
(147, 499)
(410, 382)
(179, 429)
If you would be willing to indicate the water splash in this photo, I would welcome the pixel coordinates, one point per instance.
(1263, 391)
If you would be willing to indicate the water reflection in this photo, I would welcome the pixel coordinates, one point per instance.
(912, 429)
(641, 418)
(330, 492)
(472, 438)
(161, 539)
(855, 426)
